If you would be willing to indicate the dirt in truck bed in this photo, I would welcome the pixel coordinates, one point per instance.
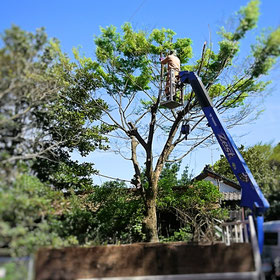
(141, 259)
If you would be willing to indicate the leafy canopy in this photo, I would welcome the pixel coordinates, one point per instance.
(46, 110)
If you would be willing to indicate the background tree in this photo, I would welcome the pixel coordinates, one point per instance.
(261, 160)
(28, 216)
(46, 111)
(106, 214)
(195, 206)
(127, 71)
(264, 162)
(273, 212)
(118, 215)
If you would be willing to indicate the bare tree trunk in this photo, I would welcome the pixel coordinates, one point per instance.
(150, 220)
(150, 223)
(149, 195)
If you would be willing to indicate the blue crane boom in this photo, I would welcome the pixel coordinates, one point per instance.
(251, 195)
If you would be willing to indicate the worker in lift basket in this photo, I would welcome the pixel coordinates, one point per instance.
(173, 63)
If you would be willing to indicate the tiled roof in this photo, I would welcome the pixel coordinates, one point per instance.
(229, 196)
(209, 172)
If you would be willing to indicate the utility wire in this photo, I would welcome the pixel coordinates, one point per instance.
(109, 177)
(136, 11)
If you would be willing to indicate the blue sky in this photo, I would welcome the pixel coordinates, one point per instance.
(75, 23)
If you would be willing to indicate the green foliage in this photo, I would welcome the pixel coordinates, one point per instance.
(202, 191)
(127, 70)
(109, 214)
(265, 53)
(119, 214)
(126, 59)
(273, 211)
(229, 45)
(202, 195)
(259, 160)
(199, 207)
(196, 205)
(275, 155)
(273, 196)
(26, 214)
(248, 18)
(168, 180)
(263, 161)
(125, 55)
(45, 95)
(33, 215)
(183, 234)
(24, 83)
(15, 271)
(168, 176)
(186, 177)
(78, 220)
(68, 174)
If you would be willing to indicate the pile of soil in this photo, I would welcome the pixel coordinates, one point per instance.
(141, 259)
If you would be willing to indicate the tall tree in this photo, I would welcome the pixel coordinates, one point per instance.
(46, 111)
(127, 71)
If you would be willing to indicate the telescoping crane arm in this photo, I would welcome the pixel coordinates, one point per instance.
(251, 195)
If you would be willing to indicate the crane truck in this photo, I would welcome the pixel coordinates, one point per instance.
(251, 195)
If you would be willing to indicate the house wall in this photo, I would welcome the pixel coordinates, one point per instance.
(222, 186)
(234, 214)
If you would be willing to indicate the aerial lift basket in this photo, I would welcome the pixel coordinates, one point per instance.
(172, 98)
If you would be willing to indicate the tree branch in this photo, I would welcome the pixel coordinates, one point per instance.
(134, 132)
